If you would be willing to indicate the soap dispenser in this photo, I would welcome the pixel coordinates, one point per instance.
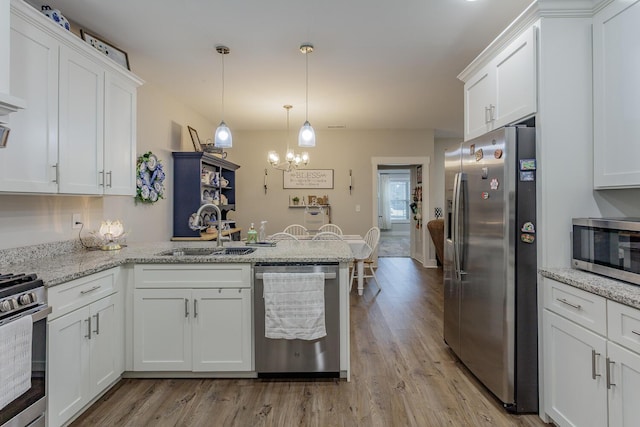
(252, 235)
(262, 236)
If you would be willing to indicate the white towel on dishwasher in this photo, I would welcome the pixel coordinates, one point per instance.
(294, 306)
(15, 359)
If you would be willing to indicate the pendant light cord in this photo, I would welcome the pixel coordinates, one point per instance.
(306, 113)
(223, 85)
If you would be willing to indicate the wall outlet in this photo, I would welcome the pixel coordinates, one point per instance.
(357, 208)
(76, 220)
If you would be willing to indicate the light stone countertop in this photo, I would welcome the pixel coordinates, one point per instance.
(615, 290)
(55, 268)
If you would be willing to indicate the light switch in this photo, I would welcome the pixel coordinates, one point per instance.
(357, 208)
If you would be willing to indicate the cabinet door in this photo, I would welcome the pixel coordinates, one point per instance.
(222, 330)
(119, 136)
(69, 384)
(28, 163)
(105, 344)
(573, 356)
(479, 103)
(515, 70)
(624, 393)
(162, 330)
(616, 92)
(81, 101)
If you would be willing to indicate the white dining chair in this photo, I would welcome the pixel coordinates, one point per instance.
(372, 239)
(296, 230)
(327, 235)
(331, 227)
(282, 236)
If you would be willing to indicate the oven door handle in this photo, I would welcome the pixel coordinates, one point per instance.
(37, 314)
(327, 276)
(41, 314)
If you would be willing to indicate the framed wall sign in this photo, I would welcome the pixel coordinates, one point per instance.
(308, 178)
(119, 56)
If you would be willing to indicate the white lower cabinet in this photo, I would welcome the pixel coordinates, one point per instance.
(85, 349)
(195, 327)
(591, 363)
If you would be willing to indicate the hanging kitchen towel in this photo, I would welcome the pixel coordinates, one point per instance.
(15, 359)
(294, 306)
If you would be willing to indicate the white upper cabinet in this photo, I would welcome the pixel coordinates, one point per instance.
(504, 90)
(77, 134)
(616, 93)
(29, 161)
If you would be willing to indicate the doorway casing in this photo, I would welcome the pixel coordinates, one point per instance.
(424, 254)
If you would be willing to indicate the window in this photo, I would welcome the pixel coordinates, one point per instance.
(399, 197)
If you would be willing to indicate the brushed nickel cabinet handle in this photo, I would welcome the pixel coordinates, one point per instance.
(57, 175)
(88, 320)
(101, 173)
(635, 332)
(487, 114)
(97, 316)
(186, 307)
(86, 291)
(609, 363)
(109, 174)
(195, 308)
(594, 374)
(564, 301)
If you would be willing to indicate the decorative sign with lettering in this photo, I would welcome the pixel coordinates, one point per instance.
(308, 178)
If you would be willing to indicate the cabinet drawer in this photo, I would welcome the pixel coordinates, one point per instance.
(193, 276)
(624, 325)
(585, 308)
(80, 292)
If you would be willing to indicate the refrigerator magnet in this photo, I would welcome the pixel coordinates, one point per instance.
(484, 195)
(485, 173)
(527, 238)
(528, 227)
(479, 154)
(497, 154)
(472, 149)
(494, 184)
(528, 164)
(527, 176)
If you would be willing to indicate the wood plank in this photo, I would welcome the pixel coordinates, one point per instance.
(403, 374)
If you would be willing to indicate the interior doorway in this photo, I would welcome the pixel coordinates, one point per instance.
(418, 168)
(394, 213)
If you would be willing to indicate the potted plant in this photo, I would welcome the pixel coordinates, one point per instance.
(295, 200)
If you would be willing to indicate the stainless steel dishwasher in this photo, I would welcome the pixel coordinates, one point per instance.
(295, 358)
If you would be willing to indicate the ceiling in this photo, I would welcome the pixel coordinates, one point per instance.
(377, 64)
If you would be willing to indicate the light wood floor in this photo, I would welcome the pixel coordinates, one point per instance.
(403, 374)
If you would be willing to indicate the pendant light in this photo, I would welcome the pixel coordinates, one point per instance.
(292, 160)
(307, 136)
(223, 138)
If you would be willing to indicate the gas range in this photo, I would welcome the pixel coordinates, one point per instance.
(20, 292)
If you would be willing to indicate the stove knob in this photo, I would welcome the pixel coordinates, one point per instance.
(8, 305)
(26, 299)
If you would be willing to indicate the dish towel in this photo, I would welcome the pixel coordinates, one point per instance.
(294, 306)
(15, 359)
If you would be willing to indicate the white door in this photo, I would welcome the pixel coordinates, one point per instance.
(162, 330)
(28, 163)
(81, 124)
(624, 393)
(119, 136)
(104, 344)
(68, 385)
(575, 387)
(222, 330)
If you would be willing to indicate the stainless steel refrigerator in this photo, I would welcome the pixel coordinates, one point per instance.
(490, 314)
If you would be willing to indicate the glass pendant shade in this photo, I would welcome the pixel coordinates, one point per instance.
(307, 136)
(223, 138)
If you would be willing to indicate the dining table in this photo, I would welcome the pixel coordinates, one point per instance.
(360, 250)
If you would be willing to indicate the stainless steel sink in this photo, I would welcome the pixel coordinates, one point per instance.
(207, 251)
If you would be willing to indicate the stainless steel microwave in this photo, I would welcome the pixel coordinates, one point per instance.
(608, 246)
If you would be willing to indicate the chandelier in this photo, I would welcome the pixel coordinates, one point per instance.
(292, 160)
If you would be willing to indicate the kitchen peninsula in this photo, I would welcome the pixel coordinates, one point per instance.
(112, 312)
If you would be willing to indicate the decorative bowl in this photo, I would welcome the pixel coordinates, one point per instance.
(56, 16)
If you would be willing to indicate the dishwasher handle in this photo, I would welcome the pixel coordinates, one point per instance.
(327, 276)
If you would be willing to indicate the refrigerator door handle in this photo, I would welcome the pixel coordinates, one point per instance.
(457, 184)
